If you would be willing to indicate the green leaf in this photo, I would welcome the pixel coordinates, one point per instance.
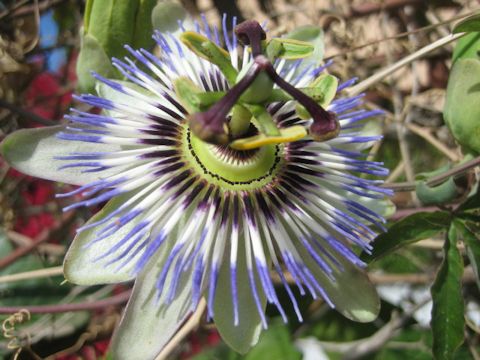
(290, 49)
(407, 231)
(112, 23)
(80, 266)
(246, 334)
(467, 47)
(275, 343)
(142, 37)
(92, 57)
(460, 112)
(472, 203)
(472, 244)
(470, 24)
(166, 15)
(148, 324)
(32, 151)
(448, 308)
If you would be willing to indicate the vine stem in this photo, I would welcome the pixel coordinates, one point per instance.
(35, 274)
(62, 308)
(365, 84)
(435, 180)
(43, 237)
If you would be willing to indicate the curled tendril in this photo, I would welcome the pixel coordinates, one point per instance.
(9, 333)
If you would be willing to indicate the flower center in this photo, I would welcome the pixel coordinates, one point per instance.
(230, 168)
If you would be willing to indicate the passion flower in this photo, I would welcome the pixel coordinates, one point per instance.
(223, 162)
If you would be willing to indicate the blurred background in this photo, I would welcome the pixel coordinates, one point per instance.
(39, 45)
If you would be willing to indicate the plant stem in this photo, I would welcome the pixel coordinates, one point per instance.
(438, 179)
(35, 274)
(365, 84)
(26, 114)
(41, 238)
(61, 308)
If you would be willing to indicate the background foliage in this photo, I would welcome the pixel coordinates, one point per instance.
(426, 267)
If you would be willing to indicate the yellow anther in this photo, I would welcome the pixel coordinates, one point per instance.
(289, 134)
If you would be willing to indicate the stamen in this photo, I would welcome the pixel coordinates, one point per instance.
(211, 125)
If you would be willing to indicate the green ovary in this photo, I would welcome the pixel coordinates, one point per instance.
(229, 170)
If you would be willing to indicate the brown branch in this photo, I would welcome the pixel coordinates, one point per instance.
(29, 9)
(62, 308)
(41, 238)
(438, 179)
(366, 9)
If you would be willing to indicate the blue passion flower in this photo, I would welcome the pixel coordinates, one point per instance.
(224, 160)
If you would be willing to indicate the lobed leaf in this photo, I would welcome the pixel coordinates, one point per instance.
(407, 231)
(448, 308)
(470, 235)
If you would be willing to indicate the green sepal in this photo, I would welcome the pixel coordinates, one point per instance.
(352, 293)
(80, 266)
(92, 57)
(469, 24)
(208, 50)
(33, 151)
(289, 49)
(148, 323)
(243, 336)
(88, 11)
